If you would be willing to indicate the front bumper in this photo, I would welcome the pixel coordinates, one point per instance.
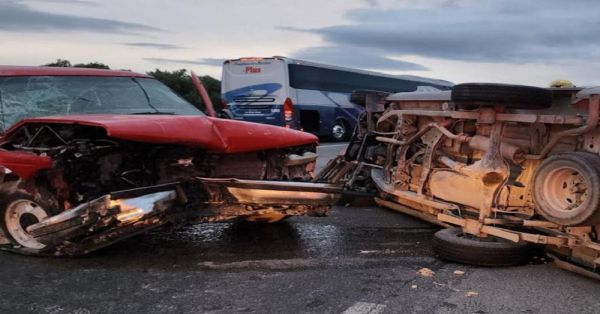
(122, 214)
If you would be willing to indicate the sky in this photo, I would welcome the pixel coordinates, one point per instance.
(511, 41)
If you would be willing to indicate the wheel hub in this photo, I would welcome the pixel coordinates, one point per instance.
(21, 214)
(565, 189)
(338, 131)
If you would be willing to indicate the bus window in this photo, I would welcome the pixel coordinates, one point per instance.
(316, 78)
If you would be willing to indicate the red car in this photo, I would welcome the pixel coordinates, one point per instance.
(90, 157)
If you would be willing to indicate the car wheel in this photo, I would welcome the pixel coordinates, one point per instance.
(566, 189)
(339, 131)
(453, 245)
(510, 96)
(19, 210)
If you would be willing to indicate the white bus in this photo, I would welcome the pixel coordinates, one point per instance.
(304, 95)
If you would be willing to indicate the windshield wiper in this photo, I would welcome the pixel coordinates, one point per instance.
(154, 112)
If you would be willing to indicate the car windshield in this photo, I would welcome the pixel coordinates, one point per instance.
(35, 96)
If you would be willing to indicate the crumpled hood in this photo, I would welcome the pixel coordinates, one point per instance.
(218, 135)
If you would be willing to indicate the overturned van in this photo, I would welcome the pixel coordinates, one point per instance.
(502, 167)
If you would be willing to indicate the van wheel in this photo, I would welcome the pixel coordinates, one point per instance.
(566, 189)
(339, 131)
(453, 245)
(19, 210)
(509, 96)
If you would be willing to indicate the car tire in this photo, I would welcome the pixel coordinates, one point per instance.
(566, 189)
(453, 245)
(18, 210)
(510, 96)
(339, 131)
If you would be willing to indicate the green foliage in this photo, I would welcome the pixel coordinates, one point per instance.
(59, 63)
(67, 64)
(92, 65)
(182, 84)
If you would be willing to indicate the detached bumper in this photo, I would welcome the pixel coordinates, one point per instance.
(123, 214)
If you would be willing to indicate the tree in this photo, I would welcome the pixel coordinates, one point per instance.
(92, 65)
(67, 64)
(59, 63)
(180, 82)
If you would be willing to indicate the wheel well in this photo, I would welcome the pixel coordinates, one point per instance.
(310, 120)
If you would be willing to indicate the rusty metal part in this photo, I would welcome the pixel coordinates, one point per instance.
(507, 150)
(377, 177)
(459, 137)
(560, 119)
(273, 192)
(412, 212)
(562, 264)
(591, 123)
(296, 160)
(442, 185)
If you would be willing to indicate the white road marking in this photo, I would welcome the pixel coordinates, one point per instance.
(365, 308)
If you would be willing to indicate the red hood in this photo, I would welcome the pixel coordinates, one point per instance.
(219, 135)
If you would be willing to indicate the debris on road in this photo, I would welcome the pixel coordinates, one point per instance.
(471, 294)
(458, 273)
(426, 272)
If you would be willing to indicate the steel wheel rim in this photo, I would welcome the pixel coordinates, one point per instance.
(565, 189)
(15, 214)
(338, 131)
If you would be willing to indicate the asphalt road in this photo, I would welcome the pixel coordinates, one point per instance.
(358, 260)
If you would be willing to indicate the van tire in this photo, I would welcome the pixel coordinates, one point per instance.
(505, 95)
(339, 131)
(453, 245)
(553, 194)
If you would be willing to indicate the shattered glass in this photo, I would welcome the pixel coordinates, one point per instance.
(38, 96)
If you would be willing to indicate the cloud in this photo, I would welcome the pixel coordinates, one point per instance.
(511, 31)
(153, 45)
(18, 17)
(78, 2)
(355, 57)
(203, 61)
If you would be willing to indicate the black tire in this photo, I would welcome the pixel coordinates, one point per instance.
(452, 245)
(554, 197)
(19, 246)
(340, 131)
(510, 96)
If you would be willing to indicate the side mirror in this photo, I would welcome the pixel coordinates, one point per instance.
(210, 109)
